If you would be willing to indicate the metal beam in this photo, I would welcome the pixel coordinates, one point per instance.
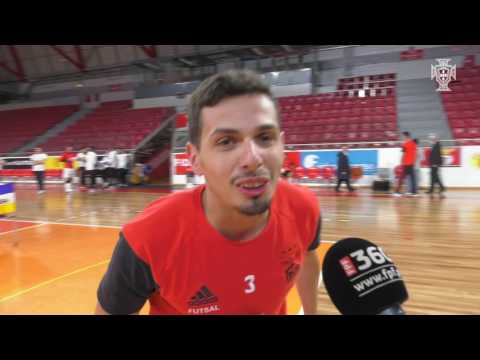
(18, 62)
(11, 71)
(81, 59)
(186, 62)
(74, 62)
(151, 51)
(257, 51)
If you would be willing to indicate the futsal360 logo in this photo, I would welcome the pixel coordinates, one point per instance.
(362, 260)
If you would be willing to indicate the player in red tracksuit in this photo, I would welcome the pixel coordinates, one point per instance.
(68, 171)
(409, 157)
(235, 245)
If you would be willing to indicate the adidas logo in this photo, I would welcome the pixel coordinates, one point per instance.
(203, 297)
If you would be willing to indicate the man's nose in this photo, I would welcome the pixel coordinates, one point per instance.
(251, 157)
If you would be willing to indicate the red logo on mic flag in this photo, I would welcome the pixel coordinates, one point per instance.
(348, 266)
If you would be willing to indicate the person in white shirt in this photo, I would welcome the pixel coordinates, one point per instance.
(122, 166)
(38, 167)
(111, 170)
(80, 159)
(90, 167)
(102, 166)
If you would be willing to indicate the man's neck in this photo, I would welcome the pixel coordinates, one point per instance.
(230, 222)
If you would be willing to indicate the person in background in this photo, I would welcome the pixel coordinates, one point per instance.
(343, 170)
(122, 167)
(90, 167)
(111, 168)
(416, 170)
(101, 170)
(68, 172)
(409, 157)
(435, 161)
(38, 167)
(80, 159)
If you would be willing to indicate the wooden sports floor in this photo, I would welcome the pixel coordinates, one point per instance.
(56, 247)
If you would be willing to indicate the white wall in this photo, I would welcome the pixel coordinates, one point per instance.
(469, 174)
(330, 54)
(72, 100)
(326, 89)
(378, 49)
(405, 70)
(383, 49)
(291, 90)
(166, 101)
(117, 96)
(89, 83)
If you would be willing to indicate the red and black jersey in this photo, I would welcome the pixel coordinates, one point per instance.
(67, 158)
(409, 157)
(172, 256)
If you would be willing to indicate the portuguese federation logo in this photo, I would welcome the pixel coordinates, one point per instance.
(443, 73)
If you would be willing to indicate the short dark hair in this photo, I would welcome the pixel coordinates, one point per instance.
(406, 133)
(219, 87)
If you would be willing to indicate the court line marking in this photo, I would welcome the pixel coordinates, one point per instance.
(48, 282)
(102, 226)
(21, 229)
(63, 223)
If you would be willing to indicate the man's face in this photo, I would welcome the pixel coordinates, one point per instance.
(241, 152)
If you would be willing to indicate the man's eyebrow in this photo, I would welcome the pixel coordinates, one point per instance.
(234, 131)
(267, 127)
(223, 131)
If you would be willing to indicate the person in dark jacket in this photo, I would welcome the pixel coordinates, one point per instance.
(435, 161)
(343, 170)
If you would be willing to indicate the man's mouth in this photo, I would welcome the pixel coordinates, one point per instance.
(253, 187)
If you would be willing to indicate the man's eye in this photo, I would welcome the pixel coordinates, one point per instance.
(266, 138)
(225, 142)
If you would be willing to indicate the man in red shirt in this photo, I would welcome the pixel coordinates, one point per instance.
(68, 172)
(409, 157)
(239, 243)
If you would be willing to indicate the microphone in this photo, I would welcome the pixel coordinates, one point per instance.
(361, 280)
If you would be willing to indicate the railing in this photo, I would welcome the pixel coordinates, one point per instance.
(379, 144)
(394, 143)
(336, 145)
(59, 153)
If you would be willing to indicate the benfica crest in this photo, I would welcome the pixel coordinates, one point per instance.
(443, 73)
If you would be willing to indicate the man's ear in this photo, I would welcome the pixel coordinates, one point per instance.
(193, 157)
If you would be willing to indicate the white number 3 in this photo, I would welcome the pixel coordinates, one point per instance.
(250, 280)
